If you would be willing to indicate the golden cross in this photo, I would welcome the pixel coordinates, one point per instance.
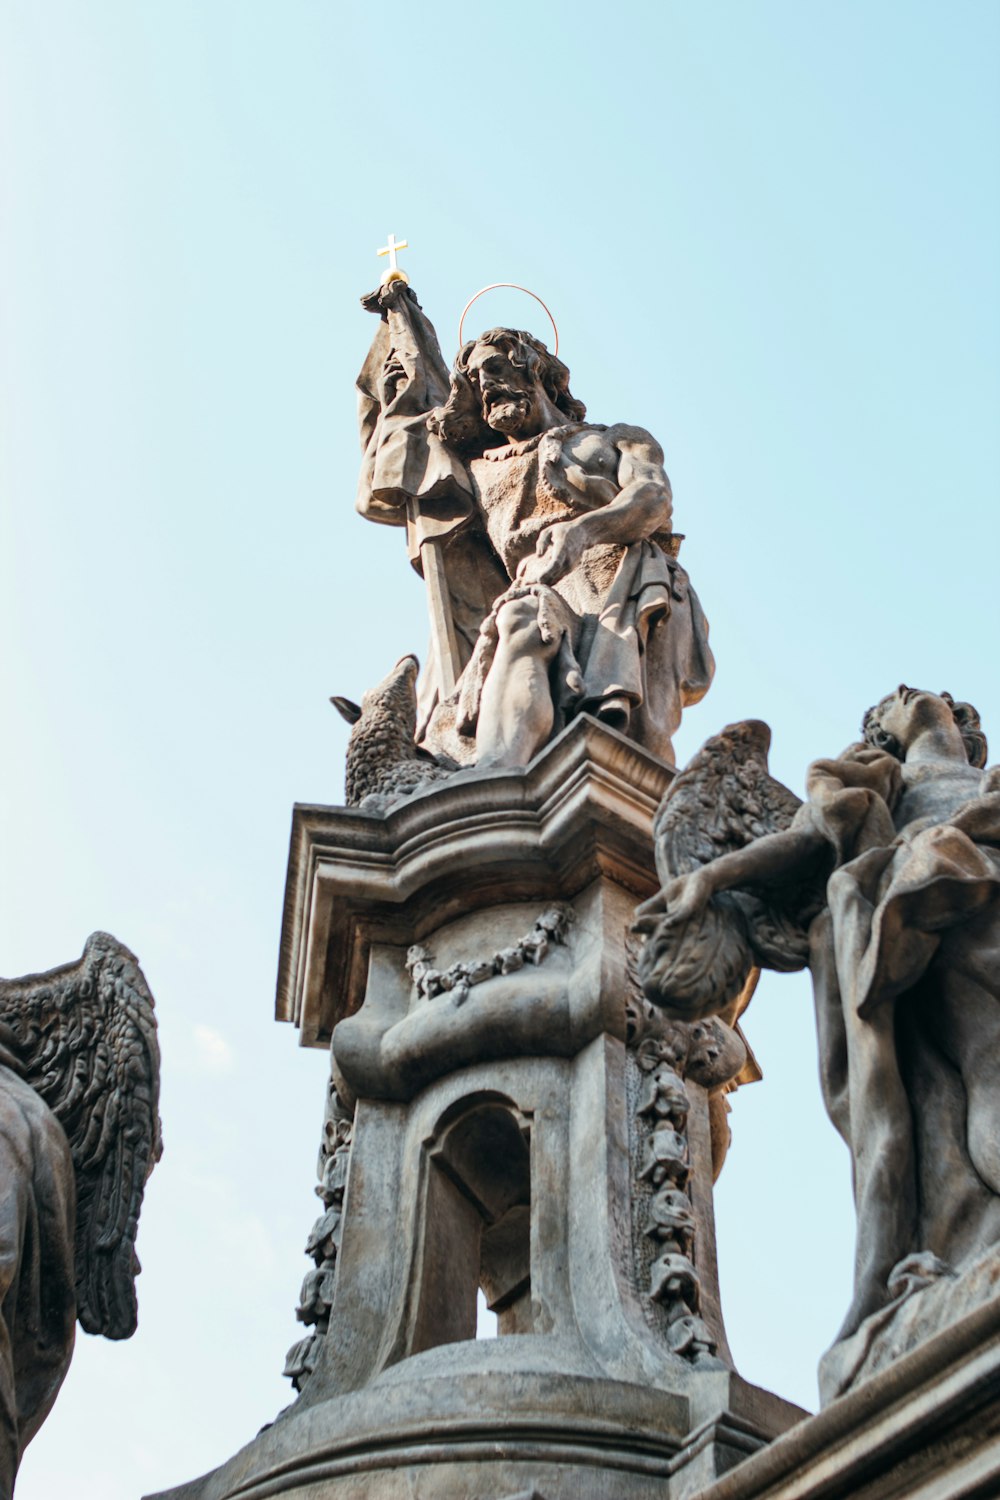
(393, 273)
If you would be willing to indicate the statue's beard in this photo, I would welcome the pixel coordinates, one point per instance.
(507, 411)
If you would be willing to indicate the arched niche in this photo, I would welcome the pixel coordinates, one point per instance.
(476, 1227)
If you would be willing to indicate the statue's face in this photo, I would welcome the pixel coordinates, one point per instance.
(910, 711)
(512, 398)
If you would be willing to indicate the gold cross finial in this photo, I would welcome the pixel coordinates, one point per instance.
(393, 273)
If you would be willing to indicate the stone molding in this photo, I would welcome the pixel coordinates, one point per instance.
(925, 1428)
(584, 807)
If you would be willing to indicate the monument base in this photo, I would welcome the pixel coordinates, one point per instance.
(480, 1430)
(508, 1118)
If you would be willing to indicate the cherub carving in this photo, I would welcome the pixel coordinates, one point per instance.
(79, 1135)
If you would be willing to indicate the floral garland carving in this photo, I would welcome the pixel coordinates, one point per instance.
(316, 1296)
(429, 982)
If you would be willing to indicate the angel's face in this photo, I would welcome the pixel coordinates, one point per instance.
(909, 712)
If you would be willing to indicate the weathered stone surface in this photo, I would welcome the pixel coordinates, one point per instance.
(887, 881)
(490, 1135)
(677, 1074)
(926, 1427)
(521, 1102)
(582, 810)
(79, 1135)
(545, 540)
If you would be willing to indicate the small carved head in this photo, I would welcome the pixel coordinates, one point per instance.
(717, 1053)
(395, 695)
(670, 1210)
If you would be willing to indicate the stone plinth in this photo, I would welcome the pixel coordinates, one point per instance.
(927, 1427)
(506, 1116)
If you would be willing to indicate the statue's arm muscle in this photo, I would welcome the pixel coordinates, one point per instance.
(644, 503)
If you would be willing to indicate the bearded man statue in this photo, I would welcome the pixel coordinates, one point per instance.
(559, 588)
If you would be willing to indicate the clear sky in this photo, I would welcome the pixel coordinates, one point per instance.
(769, 233)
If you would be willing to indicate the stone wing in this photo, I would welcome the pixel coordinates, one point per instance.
(723, 799)
(85, 1039)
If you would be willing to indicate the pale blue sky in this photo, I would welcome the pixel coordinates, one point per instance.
(768, 232)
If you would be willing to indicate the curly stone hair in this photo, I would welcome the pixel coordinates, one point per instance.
(460, 423)
(965, 716)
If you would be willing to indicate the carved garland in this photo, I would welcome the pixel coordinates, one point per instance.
(550, 928)
(660, 1050)
(316, 1296)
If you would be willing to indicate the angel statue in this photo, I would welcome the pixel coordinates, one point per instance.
(545, 542)
(886, 883)
(79, 1135)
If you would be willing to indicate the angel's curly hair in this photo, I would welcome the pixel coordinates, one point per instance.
(459, 422)
(965, 716)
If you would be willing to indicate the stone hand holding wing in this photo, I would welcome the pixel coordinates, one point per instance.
(84, 1039)
(704, 934)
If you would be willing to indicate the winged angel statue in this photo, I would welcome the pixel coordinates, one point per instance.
(79, 1135)
(886, 883)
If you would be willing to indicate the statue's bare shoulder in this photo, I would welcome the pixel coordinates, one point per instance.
(638, 440)
(620, 451)
(640, 455)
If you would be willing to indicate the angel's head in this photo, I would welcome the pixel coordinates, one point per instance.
(900, 717)
(695, 969)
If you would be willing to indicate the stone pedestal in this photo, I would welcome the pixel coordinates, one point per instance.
(507, 1115)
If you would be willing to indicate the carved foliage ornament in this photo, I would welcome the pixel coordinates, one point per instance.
(429, 982)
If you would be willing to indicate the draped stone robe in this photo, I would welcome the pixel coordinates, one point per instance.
(906, 967)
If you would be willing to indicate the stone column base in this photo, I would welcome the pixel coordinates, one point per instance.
(483, 1432)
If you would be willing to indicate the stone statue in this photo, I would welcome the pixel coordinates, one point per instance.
(887, 883)
(79, 1135)
(545, 541)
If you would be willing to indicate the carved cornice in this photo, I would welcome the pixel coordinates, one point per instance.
(583, 808)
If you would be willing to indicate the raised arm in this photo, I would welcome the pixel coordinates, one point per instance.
(402, 380)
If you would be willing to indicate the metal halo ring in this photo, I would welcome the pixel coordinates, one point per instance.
(493, 286)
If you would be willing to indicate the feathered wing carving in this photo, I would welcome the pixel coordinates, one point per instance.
(723, 800)
(85, 1039)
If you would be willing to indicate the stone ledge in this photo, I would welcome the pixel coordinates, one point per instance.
(584, 807)
(925, 1428)
(496, 1428)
